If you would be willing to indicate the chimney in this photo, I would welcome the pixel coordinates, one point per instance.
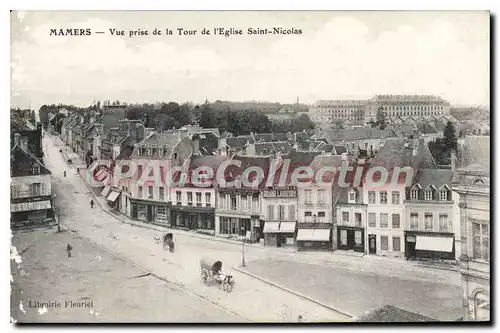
(453, 161)
(16, 139)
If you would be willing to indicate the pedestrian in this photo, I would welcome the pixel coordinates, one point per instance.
(299, 318)
(64, 173)
(77, 171)
(68, 250)
(92, 203)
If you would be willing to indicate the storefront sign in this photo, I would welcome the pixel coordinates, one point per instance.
(28, 206)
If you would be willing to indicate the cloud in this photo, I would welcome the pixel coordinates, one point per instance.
(341, 58)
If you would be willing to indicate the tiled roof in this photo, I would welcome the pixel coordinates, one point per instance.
(340, 150)
(264, 148)
(426, 129)
(339, 135)
(18, 125)
(21, 169)
(270, 137)
(156, 141)
(125, 153)
(392, 314)
(233, 172)
(435, 177)
(399, 153)
(239, 141)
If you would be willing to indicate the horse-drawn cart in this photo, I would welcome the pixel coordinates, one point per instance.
(212, 271)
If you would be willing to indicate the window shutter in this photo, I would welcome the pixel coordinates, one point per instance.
(42, 189)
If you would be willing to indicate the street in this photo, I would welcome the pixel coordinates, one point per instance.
(351, 285)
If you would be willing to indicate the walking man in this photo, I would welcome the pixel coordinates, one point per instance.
(92, 203)
(68, 250)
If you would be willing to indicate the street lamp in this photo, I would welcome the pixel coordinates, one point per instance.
(243, 249)
(55, 212)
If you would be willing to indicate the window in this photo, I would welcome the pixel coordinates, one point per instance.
(321, 197)
(244, 203)
(343, 237)
(395, 198)
(383, 197)
(308, 216)
(150, 192)
(161, 193)
(270, 212)
(384, 220)
(396, 221)
(443, 195)
(208, 199)
(139, 171)
(174, 156)
(222, 201)
(443, 222)
(190, 197)
(36, 169)
(372, 220)
(414, 194)
(481, 241)
(414, 221)
(178, 196)
(35, 189)
(308, 198)
(291, 212)
(428, 221)
(14, 191)
(345, 217)
(233, 202)
(352, 197)
(281, 212)
(384, 243)
(357, 219)
(150, 151)
(160, 152)
(371, 197)
(140, 192)
(198, 198)
(396, 244)
(428, 194)
(321, 217)
(255, 203)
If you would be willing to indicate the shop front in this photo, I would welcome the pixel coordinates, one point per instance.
(279, 234)
(192, 218)
(314, 237)
(112, 198)
(429, 245)
(149, 211)
(351, 238)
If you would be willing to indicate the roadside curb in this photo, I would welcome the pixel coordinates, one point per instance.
(294, 293)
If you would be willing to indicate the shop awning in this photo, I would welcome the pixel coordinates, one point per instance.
(313, 235)
(438, 244)
(105, 191)
(29, 206)
(288, 227)
(271, 227)
(113, 195)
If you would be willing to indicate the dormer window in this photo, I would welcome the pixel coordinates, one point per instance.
(352, 197)
(36, 169)
(428, 194)
(160, 152)
(414, 194)
(150, 151)
(443, 195)
(139, 151)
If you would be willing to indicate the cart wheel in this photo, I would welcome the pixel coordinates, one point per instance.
(221, 285)
(230, 287)
(204, 277)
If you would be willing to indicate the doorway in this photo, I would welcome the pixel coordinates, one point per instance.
(411, 243)
(149, 213)
(372, 244)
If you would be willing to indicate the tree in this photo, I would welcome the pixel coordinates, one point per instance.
(381, 119)
(450, 136)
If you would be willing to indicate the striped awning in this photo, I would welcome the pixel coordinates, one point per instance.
(29, 206)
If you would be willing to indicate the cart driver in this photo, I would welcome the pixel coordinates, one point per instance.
(221, 275)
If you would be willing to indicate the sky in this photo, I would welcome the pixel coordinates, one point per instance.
(339, 55)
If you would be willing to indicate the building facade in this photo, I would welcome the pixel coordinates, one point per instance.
(280, 215)
(329, 111)
(472, 182)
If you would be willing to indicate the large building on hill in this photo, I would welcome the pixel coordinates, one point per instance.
(355, 112)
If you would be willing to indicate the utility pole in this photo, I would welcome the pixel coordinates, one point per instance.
(243, 249)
